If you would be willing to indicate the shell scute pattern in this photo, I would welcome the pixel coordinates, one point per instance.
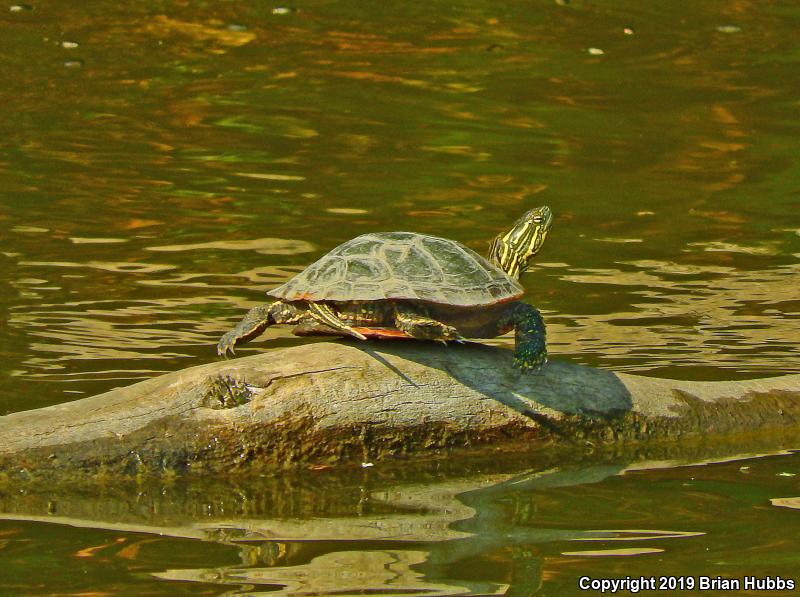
(411, 263)
(402, 265)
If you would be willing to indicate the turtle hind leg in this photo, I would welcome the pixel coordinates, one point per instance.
(255, 321)
(531, 347)
(325, 315)
(417, 324)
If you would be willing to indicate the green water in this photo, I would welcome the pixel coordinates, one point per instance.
(163, 164)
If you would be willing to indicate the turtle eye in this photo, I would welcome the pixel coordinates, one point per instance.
(537, 219)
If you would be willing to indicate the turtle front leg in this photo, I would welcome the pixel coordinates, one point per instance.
(531, 348)
(417, 324)
(255, 321)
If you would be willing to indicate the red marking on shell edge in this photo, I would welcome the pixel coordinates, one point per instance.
(508, 299)
(382, 333)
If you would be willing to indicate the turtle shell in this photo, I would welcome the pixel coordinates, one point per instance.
(402, 266)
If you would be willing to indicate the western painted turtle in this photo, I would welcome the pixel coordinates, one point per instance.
(408, 285)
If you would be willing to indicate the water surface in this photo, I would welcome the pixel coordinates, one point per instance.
(163, 164)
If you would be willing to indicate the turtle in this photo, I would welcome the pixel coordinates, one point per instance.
(411, 285)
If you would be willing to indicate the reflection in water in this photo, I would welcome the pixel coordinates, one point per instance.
(790, 502)
(162, 26)
(341, 573)
(108, 266)
(635, 535)
(764, 249)
(268, 246)
(713, 315)
(371, 537)
(444, 529)
(100, 241)
(629, 551)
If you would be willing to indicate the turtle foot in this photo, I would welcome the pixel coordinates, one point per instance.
(444, 334)
(225, 346)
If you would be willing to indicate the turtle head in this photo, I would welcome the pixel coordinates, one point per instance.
(511, 250)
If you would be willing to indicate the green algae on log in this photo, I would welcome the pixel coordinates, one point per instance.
(340, 402)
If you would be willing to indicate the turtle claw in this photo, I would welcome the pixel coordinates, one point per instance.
(449, 333)
(454, 337)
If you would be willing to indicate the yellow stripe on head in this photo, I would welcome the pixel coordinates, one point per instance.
(511, 250)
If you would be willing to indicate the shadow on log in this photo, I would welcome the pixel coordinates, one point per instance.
(337, 402)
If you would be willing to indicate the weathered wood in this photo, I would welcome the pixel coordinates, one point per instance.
(340, 402)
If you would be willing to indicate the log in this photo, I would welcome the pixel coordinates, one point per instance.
(342, 402)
